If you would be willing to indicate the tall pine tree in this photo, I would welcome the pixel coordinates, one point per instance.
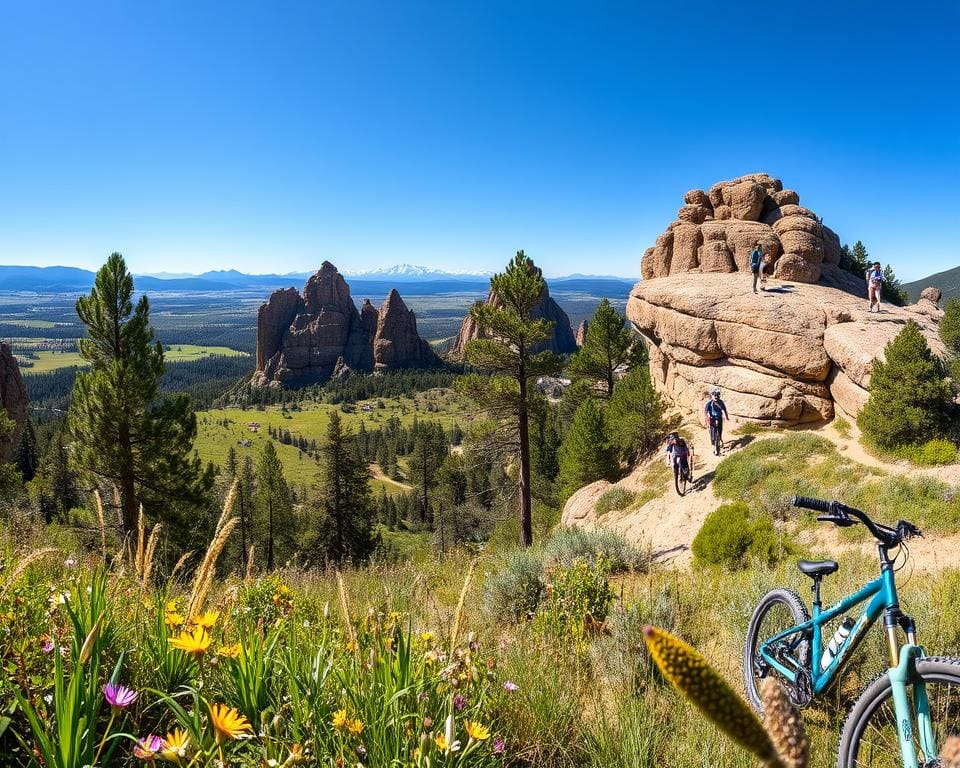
(429, 451)
(510, 336)
(587, 454)
(607, 347)
(123, 434)
(275, 507)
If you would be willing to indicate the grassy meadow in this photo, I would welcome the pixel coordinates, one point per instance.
(33, 359)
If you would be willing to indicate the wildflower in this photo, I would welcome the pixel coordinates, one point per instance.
(427, 723)
(47, 644)
(147, 747)
(228, 723)
(172, 605)
(172, 619)
(426, 637)
(441, 742)
(195, 642)
(351, 646)
(70, 562)
(229, 651)
(509, 686)
(206, 620)
(499, 745)
(175, 746)
(355, 726)
(119, 696)
(361, 751)
(477, 731)
(339, 719)
(459, 702)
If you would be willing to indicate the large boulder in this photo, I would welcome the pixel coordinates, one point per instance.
(311, 338)
(783, 357)
(13, 400)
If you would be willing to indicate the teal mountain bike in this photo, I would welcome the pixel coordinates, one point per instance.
(903, 717)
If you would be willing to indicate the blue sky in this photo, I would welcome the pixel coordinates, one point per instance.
(270, 136)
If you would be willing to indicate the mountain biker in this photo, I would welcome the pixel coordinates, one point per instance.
(679, 453)
(716, 410)
(874, 277)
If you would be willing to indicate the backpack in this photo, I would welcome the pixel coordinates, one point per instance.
(715, 409)
(755, 259)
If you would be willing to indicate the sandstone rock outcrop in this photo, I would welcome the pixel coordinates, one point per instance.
(715, 231)
(786, 356)
(562, 341)
(308, 338)
(581, 336)
(13, 400)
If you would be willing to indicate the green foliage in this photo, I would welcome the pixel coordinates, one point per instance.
(731, 537)
(568, 545)
(586, 454)
(123, 435)
(607, 346)
(932, 453)
(635, 415)
(616, 497)
(274, 506)
(578, 601)
(950, 326)
(514, 590)
(857, 261)
(842, 426)
(909, 394)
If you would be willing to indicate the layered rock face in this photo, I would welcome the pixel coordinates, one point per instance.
(716, 230)
(562, 342)
(581, 336)
(309, 338)
(787, 356)
(13, 400)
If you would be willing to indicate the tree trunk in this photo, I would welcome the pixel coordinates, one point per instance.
(128, 493)
(269, 534)
(526, 512)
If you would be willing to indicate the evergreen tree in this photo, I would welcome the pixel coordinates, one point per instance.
(54, 488)
(25, 459)
(123, 434)
(10, 480)
(950, 326)
(429, 451)
(635, 415)
(909, 394)
(230, 468)
(607, 346)
(892, 289)
(344, 501)
(587, 454)
(273, 500)
(511, 335)
(245, 501)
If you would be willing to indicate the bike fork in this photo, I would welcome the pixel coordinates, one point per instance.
(900, 677)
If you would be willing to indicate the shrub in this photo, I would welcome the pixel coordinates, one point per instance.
(578, 601)
(635, 415)
(616, 497)
(842, 426)
(731, 537)
(569, 545)
(515, 590)
(909, 394)
(586, 454)
(934, 452)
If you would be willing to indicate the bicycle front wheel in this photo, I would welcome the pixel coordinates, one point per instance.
(870, 735)
(680, 481)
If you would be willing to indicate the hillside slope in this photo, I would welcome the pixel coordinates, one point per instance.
(948, 282)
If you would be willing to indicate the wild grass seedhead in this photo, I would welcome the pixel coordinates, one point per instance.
(950, 756)
(784, 724)
(26, 562)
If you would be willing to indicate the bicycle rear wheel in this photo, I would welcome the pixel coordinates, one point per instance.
(777, 611)
(870, 735)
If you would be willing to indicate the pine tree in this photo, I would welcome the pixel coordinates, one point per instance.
(892, 289)
(123, 434)
(511, 334)
(429, 451)
(25, 458)
(10, 480)
(587, 454)
(54, 486)
(950, 326)
(230, 468)
(909, 394)
(245, 502)
(274, 503)
(607, 347)
(344, 501)
(635, 415)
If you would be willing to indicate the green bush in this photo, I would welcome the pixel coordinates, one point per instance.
(578, 601)
(515, 590)
(731, 537)
(568, 545)
(909, 394)
(616, 497)
(842, 426)
(635, 415)
(586, 454)
(933, 453)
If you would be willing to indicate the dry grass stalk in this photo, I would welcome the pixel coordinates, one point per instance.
(458, 613)
(207, 570)
(141, 535)
(180, 563)
(26, 562)
(249, 574)
(784, 724)
(228, 505)
(345, 607)
(148, 556)
(950, 756)
(103, 523)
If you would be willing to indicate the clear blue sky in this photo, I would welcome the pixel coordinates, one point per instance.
(269, 136)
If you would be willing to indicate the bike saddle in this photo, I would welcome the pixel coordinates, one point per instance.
(817, 568)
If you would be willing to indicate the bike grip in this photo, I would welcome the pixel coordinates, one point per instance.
(818, 505)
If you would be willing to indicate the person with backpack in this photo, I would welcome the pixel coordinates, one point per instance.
(756, 262)
(680, 455)
(874, 277)
(716, 410)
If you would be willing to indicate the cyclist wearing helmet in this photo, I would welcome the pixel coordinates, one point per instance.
(716, 410)
(679, 454)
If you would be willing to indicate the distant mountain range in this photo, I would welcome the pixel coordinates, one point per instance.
(414, 280)
(948, 282)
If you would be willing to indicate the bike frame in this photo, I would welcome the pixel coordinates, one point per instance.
(880, 596)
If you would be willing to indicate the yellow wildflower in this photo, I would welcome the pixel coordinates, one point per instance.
(477, 731)
(172, 605)
(172, 619)
(195, 642)
(175, 746)
(355, 726)
(228, 723)
(229, 651)
(339, 719)
(441, 742)
(206, 620)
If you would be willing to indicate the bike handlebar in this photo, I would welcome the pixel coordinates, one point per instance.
(840, 514)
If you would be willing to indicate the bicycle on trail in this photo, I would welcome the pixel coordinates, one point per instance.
(903, 717)
(680, 454)
(716, 410)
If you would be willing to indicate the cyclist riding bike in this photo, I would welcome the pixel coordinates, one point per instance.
(680, 455)
(716, 410)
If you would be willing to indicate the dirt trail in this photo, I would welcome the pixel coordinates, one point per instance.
(668, 523)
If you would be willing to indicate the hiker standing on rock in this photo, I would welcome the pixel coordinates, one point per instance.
(756, 264)
(874, 277)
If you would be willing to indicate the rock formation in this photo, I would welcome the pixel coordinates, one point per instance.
(715, 231)
(562, 342)
(309, 338)
(786, 356)
(582, 333)
(13, 400)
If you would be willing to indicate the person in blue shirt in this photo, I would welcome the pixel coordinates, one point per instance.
(716, 411)
(756, 264)
(679, 454)
(874, 285)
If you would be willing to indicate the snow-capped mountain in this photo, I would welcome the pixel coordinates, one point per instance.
(401, 272)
